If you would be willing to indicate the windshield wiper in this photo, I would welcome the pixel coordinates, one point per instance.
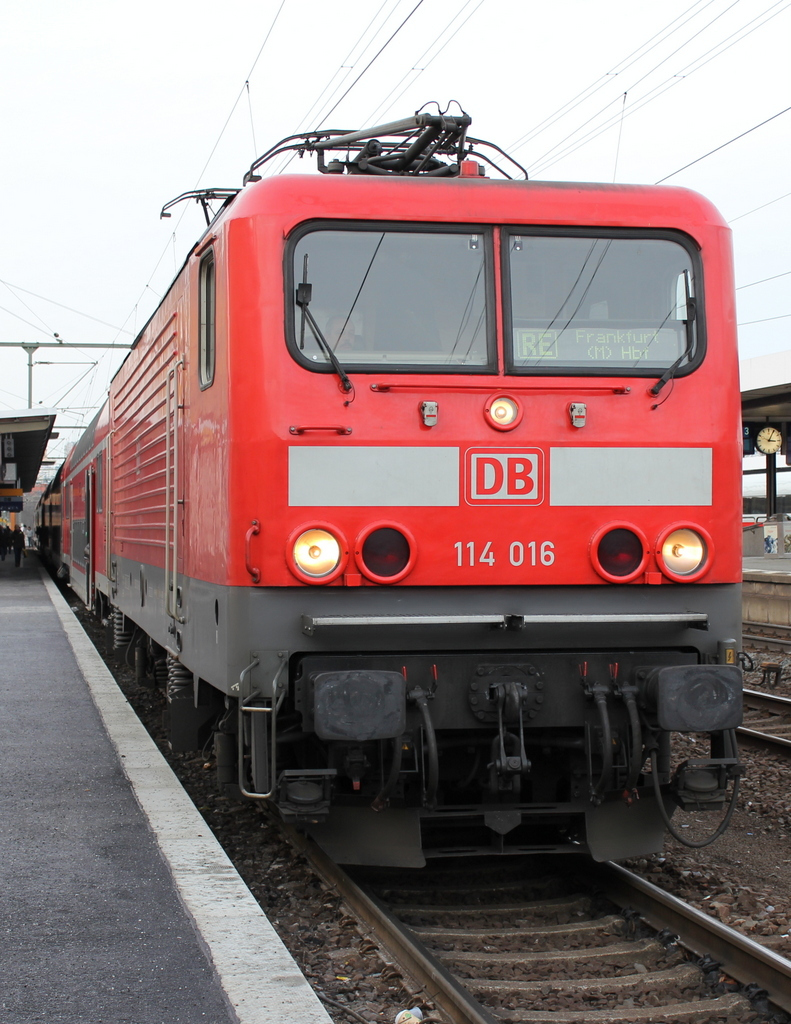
(303, 297)
(689, 323)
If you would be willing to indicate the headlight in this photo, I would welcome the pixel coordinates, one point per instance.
(316, 553)
(684, 552)
(503, 412)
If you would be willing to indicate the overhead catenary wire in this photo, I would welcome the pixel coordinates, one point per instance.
(171, 239)
(19, 399)
(147, 285)
(72, 346)
(252, 126)
(618, 146)
(63, 344)
(371, 62)
(329, 90)
(36, 327)
(391, 99)
(695, 10)
(556, 153)
(345, 64)
(238, 98)
(31, 311)
(724, 144)
(653, 94)
(60, 305)
(763, 280)
(761, 207)
(642, 51)
(276, 168)
(82, 376)
(326, 114)
(765, 320)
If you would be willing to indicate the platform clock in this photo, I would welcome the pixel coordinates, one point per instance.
(768, 440)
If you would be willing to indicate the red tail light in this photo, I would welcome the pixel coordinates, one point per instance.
(386, 554)
(619, 553)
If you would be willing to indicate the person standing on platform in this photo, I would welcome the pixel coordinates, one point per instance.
(3, 542)
(18, 541)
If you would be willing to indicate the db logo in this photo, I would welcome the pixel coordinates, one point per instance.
(504, 475)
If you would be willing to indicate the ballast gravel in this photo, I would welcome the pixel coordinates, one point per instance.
(744, 879)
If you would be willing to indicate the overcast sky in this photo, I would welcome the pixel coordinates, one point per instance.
(109, 110)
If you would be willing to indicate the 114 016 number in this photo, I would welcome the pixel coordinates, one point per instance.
(534, 552)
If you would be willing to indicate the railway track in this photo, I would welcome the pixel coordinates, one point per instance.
(625, 964)
(767, 721)
(767, 634)
(488, 942)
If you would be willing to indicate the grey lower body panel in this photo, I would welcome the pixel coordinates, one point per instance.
(224, 625)
(240, 640)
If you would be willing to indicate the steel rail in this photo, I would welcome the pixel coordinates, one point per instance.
(742, 958)
(781, 627)
(768, 642)
(762, 633)
(756, 738)
(438, 983)
(757, 700)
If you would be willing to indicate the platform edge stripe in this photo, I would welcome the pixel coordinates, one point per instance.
(260, 979)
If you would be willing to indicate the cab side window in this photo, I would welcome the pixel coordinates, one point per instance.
(207, 293)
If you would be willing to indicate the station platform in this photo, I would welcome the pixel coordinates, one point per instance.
(778, 564)
(117, 904)
(766, 594)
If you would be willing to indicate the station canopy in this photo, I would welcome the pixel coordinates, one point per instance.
(766, 401)
(27, 433)
(766, 389)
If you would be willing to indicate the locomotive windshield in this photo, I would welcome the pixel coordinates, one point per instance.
(396, 298)
(599, 304)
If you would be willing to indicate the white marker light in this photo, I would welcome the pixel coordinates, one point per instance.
(316, 553)
(684, 552)
(503, 412)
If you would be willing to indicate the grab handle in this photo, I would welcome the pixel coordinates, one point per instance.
(254, 530)
(333, 429)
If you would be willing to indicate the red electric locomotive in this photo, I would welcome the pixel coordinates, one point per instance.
(423, 488)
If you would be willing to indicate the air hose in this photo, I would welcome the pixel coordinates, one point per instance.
(636, 755)
(421, 699)
(600, 696)
(731, 735)
(388, 789)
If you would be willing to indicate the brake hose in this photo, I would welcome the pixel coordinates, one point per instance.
(433, 754)
(666, 818)
(600, 696)
(637, 742)
(388, 789)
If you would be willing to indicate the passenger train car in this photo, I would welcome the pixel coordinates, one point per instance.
(421, 488)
